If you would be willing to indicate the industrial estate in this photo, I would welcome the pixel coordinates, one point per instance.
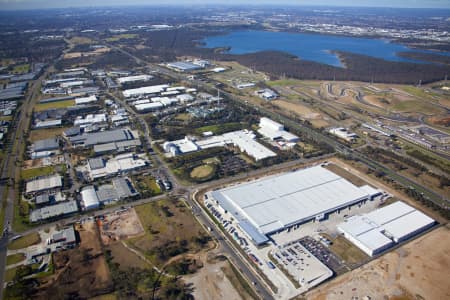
(138, 163)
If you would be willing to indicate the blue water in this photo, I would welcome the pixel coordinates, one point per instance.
(313, 47)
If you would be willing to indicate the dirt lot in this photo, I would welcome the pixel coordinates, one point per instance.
(120, 226)
(81, 272)
(213, 282)
(418, 270)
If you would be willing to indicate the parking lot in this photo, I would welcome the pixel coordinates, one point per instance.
(322, 253)
(302, 265)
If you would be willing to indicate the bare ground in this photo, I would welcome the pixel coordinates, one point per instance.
(211, 283)
(418, 270)
(120, 226)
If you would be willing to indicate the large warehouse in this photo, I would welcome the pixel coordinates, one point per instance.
(380, 229)
(275, 203)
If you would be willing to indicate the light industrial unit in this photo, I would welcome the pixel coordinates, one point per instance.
(382, 228)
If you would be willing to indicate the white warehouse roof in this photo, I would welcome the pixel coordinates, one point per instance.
(89, 198)
(154, 89)
(134, 78)
(275, 203)
(378, 230)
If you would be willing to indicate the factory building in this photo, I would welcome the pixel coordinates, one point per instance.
(381, 229)
(245, 140)
(275, 131)
(89, 199)
(277, 203)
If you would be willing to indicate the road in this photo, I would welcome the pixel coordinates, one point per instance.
(11, 170)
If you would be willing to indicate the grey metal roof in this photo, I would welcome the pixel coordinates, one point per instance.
(257, 237)
(43, 198)
(53, 211)
(107, 193)
(124, 187)
(277, 202)
(47, 144)
(96, 163)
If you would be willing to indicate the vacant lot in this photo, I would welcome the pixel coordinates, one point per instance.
(81, 272)
(356, 180)
(35, 172)
(418, 270)
(50, 105)
(126, 258)
(41, 134)
(170, 230)
(25, 241)
(120, 226)
(217, 281)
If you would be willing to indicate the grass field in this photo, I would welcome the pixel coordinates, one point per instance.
(25, 241)
(347, 251)
(220, 128)
(111, 296)
(202, 171)
(169, 228)
(346, 174)
(147, 183)
(80, 40)
(14, 259)
(35, 172)
(417, 106)
(41, 134)
(21, 69)
(6, 118)
(183, 117)
(9, 274)
(119, 37)
(50, 105)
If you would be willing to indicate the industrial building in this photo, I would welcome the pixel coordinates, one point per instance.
(275, 131)
(120, 188)
(184, 66)
(44, 184)
(381, 229)
(53, 211)
(98, 167)
(89, 199)
(136, 78)
(276, 203)
(103, 137)
(245, 140)
(343, 133)
(86, 100)
(46, 145)
(146, 90)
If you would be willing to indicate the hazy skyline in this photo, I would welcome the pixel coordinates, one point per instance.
(35, 4)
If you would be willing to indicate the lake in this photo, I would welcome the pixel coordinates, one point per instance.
(313, 47)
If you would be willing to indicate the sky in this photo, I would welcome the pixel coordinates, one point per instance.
(33, 4)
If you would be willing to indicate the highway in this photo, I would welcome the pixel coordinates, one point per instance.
(11, 170)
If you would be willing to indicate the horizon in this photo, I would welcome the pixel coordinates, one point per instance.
(24, 5)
